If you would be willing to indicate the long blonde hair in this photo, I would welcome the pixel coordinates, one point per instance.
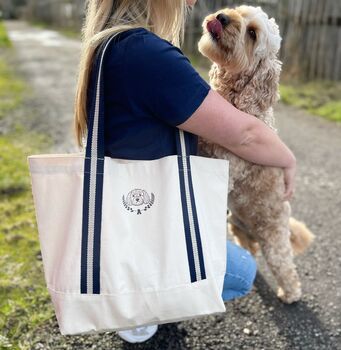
(104, 18)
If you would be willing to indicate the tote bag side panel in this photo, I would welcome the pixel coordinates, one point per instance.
(57, 187)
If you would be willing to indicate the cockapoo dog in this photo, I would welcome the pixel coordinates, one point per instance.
(243, 44)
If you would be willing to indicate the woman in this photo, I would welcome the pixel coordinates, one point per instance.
(151, 89)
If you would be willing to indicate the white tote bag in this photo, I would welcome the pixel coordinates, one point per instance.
(128, 243)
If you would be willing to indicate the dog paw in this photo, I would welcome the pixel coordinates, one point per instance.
(289, 297)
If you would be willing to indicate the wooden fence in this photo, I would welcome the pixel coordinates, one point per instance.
(311, 32)
(11, 8)
(311, 29)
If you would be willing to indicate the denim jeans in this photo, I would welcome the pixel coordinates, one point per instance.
(240, 273)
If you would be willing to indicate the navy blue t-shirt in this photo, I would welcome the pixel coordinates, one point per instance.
(150, 87)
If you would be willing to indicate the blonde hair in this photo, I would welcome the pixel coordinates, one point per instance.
(105, 18)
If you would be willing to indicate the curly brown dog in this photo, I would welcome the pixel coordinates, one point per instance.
(243, 44)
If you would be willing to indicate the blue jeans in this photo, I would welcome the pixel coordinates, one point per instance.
(240, 273)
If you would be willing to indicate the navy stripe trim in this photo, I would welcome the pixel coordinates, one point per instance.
(196, 222)
(188, 238)
(98, 225)
(99, 195)
(99, 174)
(190, 249)
(85, 223)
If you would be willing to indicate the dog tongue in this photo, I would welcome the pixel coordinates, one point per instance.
(215, 27)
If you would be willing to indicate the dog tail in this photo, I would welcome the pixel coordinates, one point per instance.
(301, 237)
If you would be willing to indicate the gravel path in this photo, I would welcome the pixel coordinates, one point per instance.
(49, 61)
(258, 321)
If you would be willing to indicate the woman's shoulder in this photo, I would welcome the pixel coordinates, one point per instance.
(143, 35)
(141, 45)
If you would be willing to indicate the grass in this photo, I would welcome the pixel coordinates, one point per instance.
(11, 89)
(4, 40)
(322, 98)
(24, 300)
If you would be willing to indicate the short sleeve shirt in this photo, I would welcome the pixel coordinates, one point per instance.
(150, 87)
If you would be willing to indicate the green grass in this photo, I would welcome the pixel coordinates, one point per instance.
(322, 98)
(4, 40)
(11, 89)
(24, 300)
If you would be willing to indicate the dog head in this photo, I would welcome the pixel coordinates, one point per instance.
(239, 38)
(138, 197)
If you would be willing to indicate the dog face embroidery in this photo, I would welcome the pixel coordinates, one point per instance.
(138, 201)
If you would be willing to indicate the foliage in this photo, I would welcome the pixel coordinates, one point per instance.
(322, 98)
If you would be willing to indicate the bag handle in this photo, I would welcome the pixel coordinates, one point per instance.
(93, 194)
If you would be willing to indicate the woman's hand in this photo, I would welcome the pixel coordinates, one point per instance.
(289, 181)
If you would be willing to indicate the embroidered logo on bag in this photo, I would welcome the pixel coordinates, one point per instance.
(138, 201)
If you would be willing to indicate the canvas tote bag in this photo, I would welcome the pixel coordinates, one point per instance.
(128, 243)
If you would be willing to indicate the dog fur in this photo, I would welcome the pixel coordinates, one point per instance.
(246, 72)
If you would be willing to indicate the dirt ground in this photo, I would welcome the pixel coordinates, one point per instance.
(49, 61)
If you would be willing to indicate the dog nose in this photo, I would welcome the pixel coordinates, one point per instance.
(223, 19)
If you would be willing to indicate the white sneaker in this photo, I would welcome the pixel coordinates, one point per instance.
(139, 334)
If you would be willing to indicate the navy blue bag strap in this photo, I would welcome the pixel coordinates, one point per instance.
(189, 211)
(93, 185)
(93, 192)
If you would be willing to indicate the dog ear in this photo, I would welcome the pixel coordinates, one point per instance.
(262, 91)
(129, 198)
(146, 198)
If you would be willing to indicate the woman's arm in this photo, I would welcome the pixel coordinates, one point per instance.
(242, 134)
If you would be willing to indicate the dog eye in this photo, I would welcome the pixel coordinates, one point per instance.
(252, 34)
